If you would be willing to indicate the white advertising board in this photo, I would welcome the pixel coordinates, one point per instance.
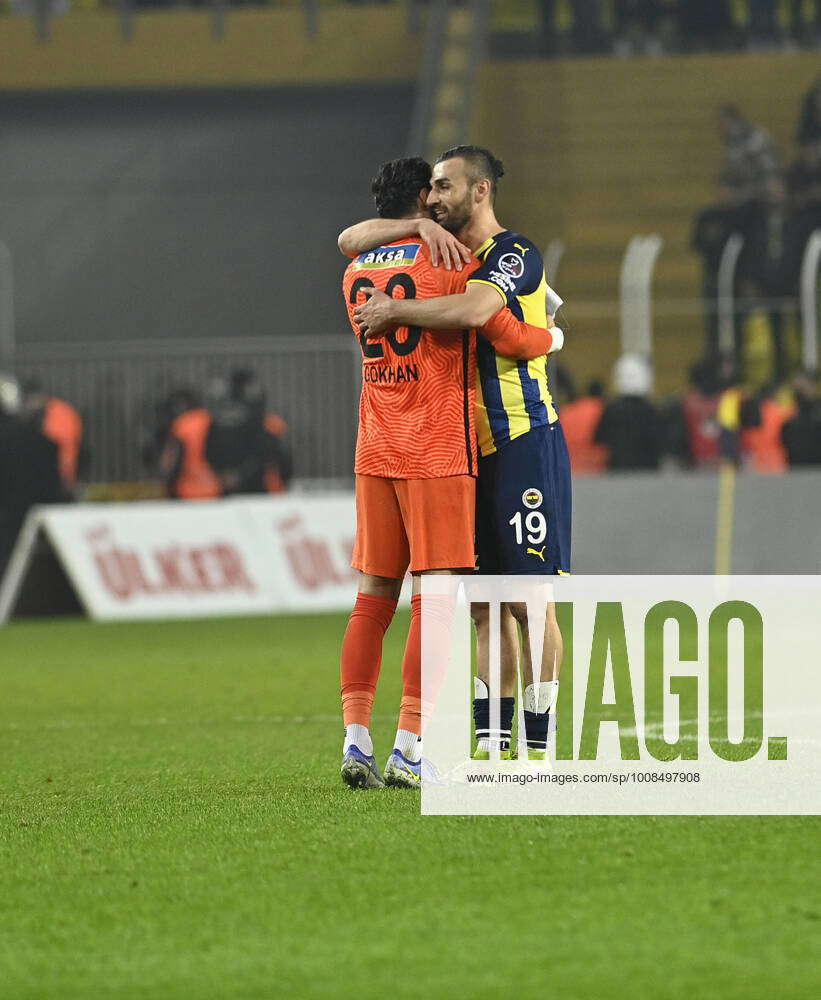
(180, 560)
(307, 541)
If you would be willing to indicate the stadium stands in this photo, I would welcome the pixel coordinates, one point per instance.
(156, 215)
(604, 149)
(260, 46)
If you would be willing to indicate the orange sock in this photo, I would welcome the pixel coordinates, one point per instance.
(439, 612)
(410, 708)
(361, 656)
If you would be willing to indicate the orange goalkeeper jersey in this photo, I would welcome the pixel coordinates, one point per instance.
(416, 411)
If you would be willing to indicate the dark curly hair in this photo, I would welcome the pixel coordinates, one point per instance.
(481, 163)
(397, 185)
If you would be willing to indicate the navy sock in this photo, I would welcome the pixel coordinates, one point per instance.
(536, 724)
(481, 719)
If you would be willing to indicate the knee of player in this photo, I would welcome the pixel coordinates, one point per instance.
(519, 611)
(379, 586)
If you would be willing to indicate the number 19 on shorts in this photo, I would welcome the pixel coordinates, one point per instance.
(534, 525)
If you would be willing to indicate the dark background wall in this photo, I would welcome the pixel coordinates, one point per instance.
(175, 214)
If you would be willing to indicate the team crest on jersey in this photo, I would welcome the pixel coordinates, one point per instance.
(402, 256)
(512, 264)
(532, 498)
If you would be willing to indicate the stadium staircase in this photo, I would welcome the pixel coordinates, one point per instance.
(455, 45)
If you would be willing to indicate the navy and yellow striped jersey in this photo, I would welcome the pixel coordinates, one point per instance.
(512, 396)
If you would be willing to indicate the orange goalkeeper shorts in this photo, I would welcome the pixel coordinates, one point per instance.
(418, 523)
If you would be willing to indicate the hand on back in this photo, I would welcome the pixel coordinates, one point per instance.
(443, 246)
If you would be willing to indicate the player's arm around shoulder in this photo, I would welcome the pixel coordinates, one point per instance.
(371, 233)
(515, 269)
(471, 308)
(443, 246)
(513, 338)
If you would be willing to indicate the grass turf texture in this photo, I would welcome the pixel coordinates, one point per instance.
(173, 826)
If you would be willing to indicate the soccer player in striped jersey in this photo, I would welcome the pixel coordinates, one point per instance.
(523, 496)
(415, 462)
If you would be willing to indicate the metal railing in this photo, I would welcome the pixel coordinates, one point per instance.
(311, 382)
(636, 293)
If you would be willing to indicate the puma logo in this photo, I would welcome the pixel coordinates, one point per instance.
(523, 249)
(537, 552)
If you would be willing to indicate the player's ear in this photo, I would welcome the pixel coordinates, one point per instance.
(422, 198)
(482, 189)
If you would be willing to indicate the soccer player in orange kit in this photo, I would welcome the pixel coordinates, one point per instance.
(523, 519)
(415, 463)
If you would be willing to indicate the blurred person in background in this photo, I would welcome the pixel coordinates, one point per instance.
(803, 187)
(808, 132)
(153, 426)
(580, 419)
(246, 447)
(61, 423)
(280, 468)
(804, 191)
(752, 160)
(675, 445)
(766, 269)
(761, 444)
(183, 465)
(631, 427)
(29, 467)
(736, 410)
(801, 434)
(562, 381)
(751, 172)
(699, 407)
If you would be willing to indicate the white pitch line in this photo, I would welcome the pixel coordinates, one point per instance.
(60, 724)
(654, 729)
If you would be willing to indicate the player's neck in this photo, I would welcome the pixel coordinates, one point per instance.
(479, 230)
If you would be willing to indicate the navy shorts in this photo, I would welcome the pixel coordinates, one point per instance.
(523, 505)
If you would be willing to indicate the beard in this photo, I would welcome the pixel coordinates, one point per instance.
(455, 218)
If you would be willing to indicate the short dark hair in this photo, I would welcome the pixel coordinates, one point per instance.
(397, 184)
(482, 164)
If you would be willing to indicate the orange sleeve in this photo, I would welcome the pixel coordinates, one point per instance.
(513, 338)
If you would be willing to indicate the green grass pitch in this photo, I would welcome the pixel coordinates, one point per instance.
(173, 826)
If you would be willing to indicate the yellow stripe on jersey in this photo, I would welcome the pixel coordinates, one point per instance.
(481, 281)
(489, 244)
(518, 409)
(512, 399)
(534, 311)
(534, 305)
